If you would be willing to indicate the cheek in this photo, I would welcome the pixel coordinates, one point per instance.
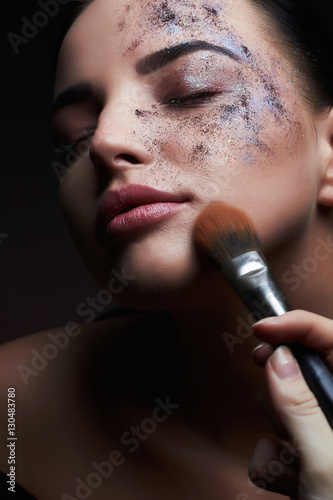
(254, 154)
(221, 141)
(77, 195)
(271, 176)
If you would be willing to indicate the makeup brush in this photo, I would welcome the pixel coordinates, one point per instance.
(227, 235)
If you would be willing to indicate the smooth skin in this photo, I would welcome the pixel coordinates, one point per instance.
(213, 128)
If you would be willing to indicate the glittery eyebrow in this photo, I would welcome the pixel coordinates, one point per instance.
(161, 58)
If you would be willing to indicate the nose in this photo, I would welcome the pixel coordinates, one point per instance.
(120, 143)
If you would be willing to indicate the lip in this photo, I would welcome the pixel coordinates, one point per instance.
(134, 208)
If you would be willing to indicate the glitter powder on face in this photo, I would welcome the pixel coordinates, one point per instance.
(166, 15)
(222, 125)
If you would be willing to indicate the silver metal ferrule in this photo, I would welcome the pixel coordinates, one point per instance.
(255, 283)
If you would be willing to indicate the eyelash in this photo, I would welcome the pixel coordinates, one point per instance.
(191, 99)
(62, 151)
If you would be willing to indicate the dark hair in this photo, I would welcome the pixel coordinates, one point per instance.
(308, 42)
(299, 27)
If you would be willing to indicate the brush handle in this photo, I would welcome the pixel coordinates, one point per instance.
(251, 277)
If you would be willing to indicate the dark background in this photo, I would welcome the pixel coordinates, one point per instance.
(42, 280)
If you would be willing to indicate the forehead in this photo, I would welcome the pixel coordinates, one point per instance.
(171, 15)
(122, 31)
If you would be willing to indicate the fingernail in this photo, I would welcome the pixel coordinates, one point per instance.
(266, 321)
(264, 348)
(284, 364)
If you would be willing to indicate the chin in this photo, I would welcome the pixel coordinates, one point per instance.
(152, 279)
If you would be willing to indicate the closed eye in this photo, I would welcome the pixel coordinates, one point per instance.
(67, 154)
(193, 99)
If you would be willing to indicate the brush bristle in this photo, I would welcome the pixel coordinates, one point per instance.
(224, 233)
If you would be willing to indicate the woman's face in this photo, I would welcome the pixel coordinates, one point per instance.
(217, 117)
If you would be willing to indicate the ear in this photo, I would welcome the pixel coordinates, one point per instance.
(325, 132)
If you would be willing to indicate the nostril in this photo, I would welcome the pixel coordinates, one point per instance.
(128, 158)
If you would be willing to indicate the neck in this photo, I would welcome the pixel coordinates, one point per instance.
(306, 275)
(220, 372)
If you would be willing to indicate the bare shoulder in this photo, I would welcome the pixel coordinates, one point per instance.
(50, 370)
(23, 360)
(28, 362)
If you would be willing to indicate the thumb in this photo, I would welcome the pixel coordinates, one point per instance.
(299, 412)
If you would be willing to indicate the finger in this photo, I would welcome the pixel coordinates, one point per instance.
(307, 328)
(298, 410)
(267, 408)
(274, 467)
(261, 353)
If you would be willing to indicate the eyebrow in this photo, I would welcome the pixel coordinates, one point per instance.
(72, 95)
(161, 58)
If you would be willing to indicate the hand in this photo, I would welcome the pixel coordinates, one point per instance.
(301, 466)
